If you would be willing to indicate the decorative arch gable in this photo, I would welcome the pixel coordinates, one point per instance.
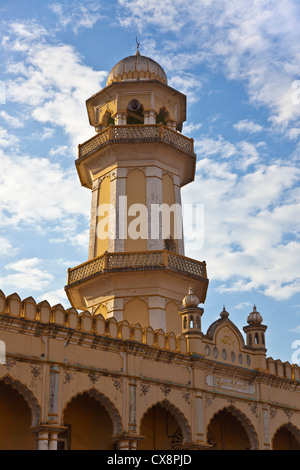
(225, 333)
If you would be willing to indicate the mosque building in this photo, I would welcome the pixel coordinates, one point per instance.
(127, 365)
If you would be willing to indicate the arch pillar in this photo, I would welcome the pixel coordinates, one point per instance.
(47, 436)
(265, 426)
(128, 441)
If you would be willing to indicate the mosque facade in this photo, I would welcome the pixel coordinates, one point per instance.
(127, 365)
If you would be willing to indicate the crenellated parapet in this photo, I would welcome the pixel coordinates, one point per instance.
(283, 369)
(33, 314)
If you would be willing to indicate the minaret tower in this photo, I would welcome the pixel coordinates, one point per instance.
(135, 166)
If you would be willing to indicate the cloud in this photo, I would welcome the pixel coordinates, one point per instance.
(51, 82)
(46, 133)
(79, 15)
(6, 248)
(170, 13)
(191, 127)
(7, 139)
(244, 152)
(251, 223)
(39, 192)
(248, 126)
(54, 297)
(59, 150)
(12, 121)
(242, 305)
(26, 274)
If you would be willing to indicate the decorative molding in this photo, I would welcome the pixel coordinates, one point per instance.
(68, 377)
(117, 384)
(228, 338)
(144, 389)
(187, 397)
(94, 377)
(166, 390)
(36, 371)
(288, 413)
(254, 408)
(9, 363)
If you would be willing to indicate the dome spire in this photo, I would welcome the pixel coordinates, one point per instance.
(137, 47)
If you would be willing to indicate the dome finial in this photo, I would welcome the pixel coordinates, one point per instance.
(224, 313)
(137, 48)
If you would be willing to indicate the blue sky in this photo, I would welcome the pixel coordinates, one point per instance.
(239, 65)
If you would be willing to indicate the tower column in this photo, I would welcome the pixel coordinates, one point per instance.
(134, 170)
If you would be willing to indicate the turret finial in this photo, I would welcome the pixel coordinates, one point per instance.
(224, 313)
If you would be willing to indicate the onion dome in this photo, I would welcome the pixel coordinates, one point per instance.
(190, 300)
(254, 317)
(137, 67)
(224, 313)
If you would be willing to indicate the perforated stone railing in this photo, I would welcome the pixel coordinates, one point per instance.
(133, 134)
(139, 261)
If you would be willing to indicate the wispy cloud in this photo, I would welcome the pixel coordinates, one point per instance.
(58, 197)
(51, 82)
(26, 274)
(248, 126)
(12, 121)
(77, 15)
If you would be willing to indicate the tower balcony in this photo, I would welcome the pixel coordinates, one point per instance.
(152, 264)
(139, 133)
(116, 145)
(139, 261)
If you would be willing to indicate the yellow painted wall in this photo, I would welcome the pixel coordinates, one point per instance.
(15, 421)
(91, 426)
(136, 311)
(173, 319)
(136, 194)
(103, 198)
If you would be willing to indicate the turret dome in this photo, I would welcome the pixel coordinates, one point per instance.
(137, 67)
(254, 317)
(190, 300)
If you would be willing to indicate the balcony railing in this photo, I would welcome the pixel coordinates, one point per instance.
(138, 261)
(133, 134)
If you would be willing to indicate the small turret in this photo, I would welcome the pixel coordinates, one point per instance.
(255, 334)
(191, 321)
